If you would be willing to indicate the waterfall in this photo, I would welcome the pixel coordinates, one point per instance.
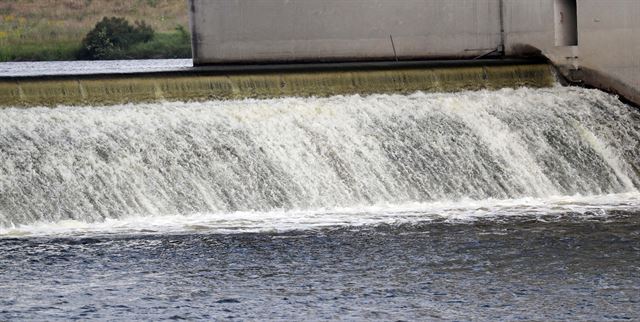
(99, 163)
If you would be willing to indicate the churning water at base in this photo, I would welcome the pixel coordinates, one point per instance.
(226, 165)
(553, 209)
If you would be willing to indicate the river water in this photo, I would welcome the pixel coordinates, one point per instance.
(516, 204)
(43, 68)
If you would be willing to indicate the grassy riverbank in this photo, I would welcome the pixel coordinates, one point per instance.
(164, 45)
(54, 29)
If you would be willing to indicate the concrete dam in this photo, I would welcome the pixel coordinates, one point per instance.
(359, 160)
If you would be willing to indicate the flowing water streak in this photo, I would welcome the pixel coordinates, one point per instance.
(264, 157)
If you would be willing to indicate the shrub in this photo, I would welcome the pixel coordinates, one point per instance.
(112, 36)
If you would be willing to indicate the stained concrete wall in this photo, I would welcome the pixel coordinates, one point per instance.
(249, 31)
(257, 31)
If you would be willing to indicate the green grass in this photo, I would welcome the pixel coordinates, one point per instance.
(40, 51)
(163, 45)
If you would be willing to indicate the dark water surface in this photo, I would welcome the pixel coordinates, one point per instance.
(557, 268)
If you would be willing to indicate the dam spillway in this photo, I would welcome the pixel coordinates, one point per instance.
(92, 164)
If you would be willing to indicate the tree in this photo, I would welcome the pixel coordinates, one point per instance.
(111, 36)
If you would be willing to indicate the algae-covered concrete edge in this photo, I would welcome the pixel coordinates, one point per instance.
(199, 85)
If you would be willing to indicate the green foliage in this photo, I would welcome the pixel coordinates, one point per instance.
(169, 45)
(98, 46)
(112, 36)
(184, 34)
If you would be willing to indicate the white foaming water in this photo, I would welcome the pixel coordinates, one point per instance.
(260, 165)
(463, 211)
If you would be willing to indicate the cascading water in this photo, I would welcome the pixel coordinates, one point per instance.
(259, 157)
